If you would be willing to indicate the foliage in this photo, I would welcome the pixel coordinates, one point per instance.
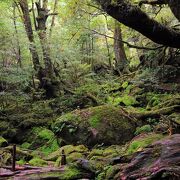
(3, 142)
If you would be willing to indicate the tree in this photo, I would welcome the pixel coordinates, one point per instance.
(121, 64)
(46, 76)
(133, 17)
(29, 31)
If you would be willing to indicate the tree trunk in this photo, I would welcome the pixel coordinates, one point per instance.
(18, 51)
(121, 63)
(32, 47)
(50, 81)
(175, 8)
(53, 18)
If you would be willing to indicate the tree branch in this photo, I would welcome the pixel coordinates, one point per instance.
(133, 17)
(125, 42)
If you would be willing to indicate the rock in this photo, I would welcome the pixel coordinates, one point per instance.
(38, 162)
(3, 142)
(158, 161)
(73, 153)
(68, 149)
(102, 124)
(141, 141)
(20, 154)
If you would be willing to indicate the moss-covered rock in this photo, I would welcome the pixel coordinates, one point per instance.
(36, 161)
(3, 142)
(103, 124)
(68, 149)
(142, 141)
(20, 153)
(158, 161)
(109, 172)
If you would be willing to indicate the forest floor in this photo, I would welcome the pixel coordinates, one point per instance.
(101, 131)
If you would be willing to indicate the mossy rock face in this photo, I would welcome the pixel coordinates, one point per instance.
(103, 124)
(158, 161)
(3, 142)
(100, 158)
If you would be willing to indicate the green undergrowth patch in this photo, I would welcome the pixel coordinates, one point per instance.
(146, 128)
(41, 139)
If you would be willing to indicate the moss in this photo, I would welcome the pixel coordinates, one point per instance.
(125, 85)
(25, 145)
(21, 162)
(68, 149)
(74, 156)
(3, 142)
(49, 147)
(95, 152)
(101, 124)
(5, 158)
(42, 139)
(38, 162)
(94, 121)
(101, 176)
(46, 134)
(127, 100)
(140, 143)
(70, 173)
(145, 128)
(112, 171)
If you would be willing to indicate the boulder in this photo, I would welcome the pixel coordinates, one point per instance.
(105, 125)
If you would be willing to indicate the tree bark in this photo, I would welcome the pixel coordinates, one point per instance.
(173, 4)
(50, 81)
(133, 17)
(121, 63)
(32, 47)
(18, 51)
(53, 18)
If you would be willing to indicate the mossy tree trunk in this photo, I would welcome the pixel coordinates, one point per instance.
(47, 76)
(29, 31)
(121, 63)
(50, 78)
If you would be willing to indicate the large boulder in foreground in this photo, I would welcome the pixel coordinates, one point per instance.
(105, 125)
(158, 161)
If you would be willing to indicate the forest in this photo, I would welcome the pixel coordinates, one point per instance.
(89, 89)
